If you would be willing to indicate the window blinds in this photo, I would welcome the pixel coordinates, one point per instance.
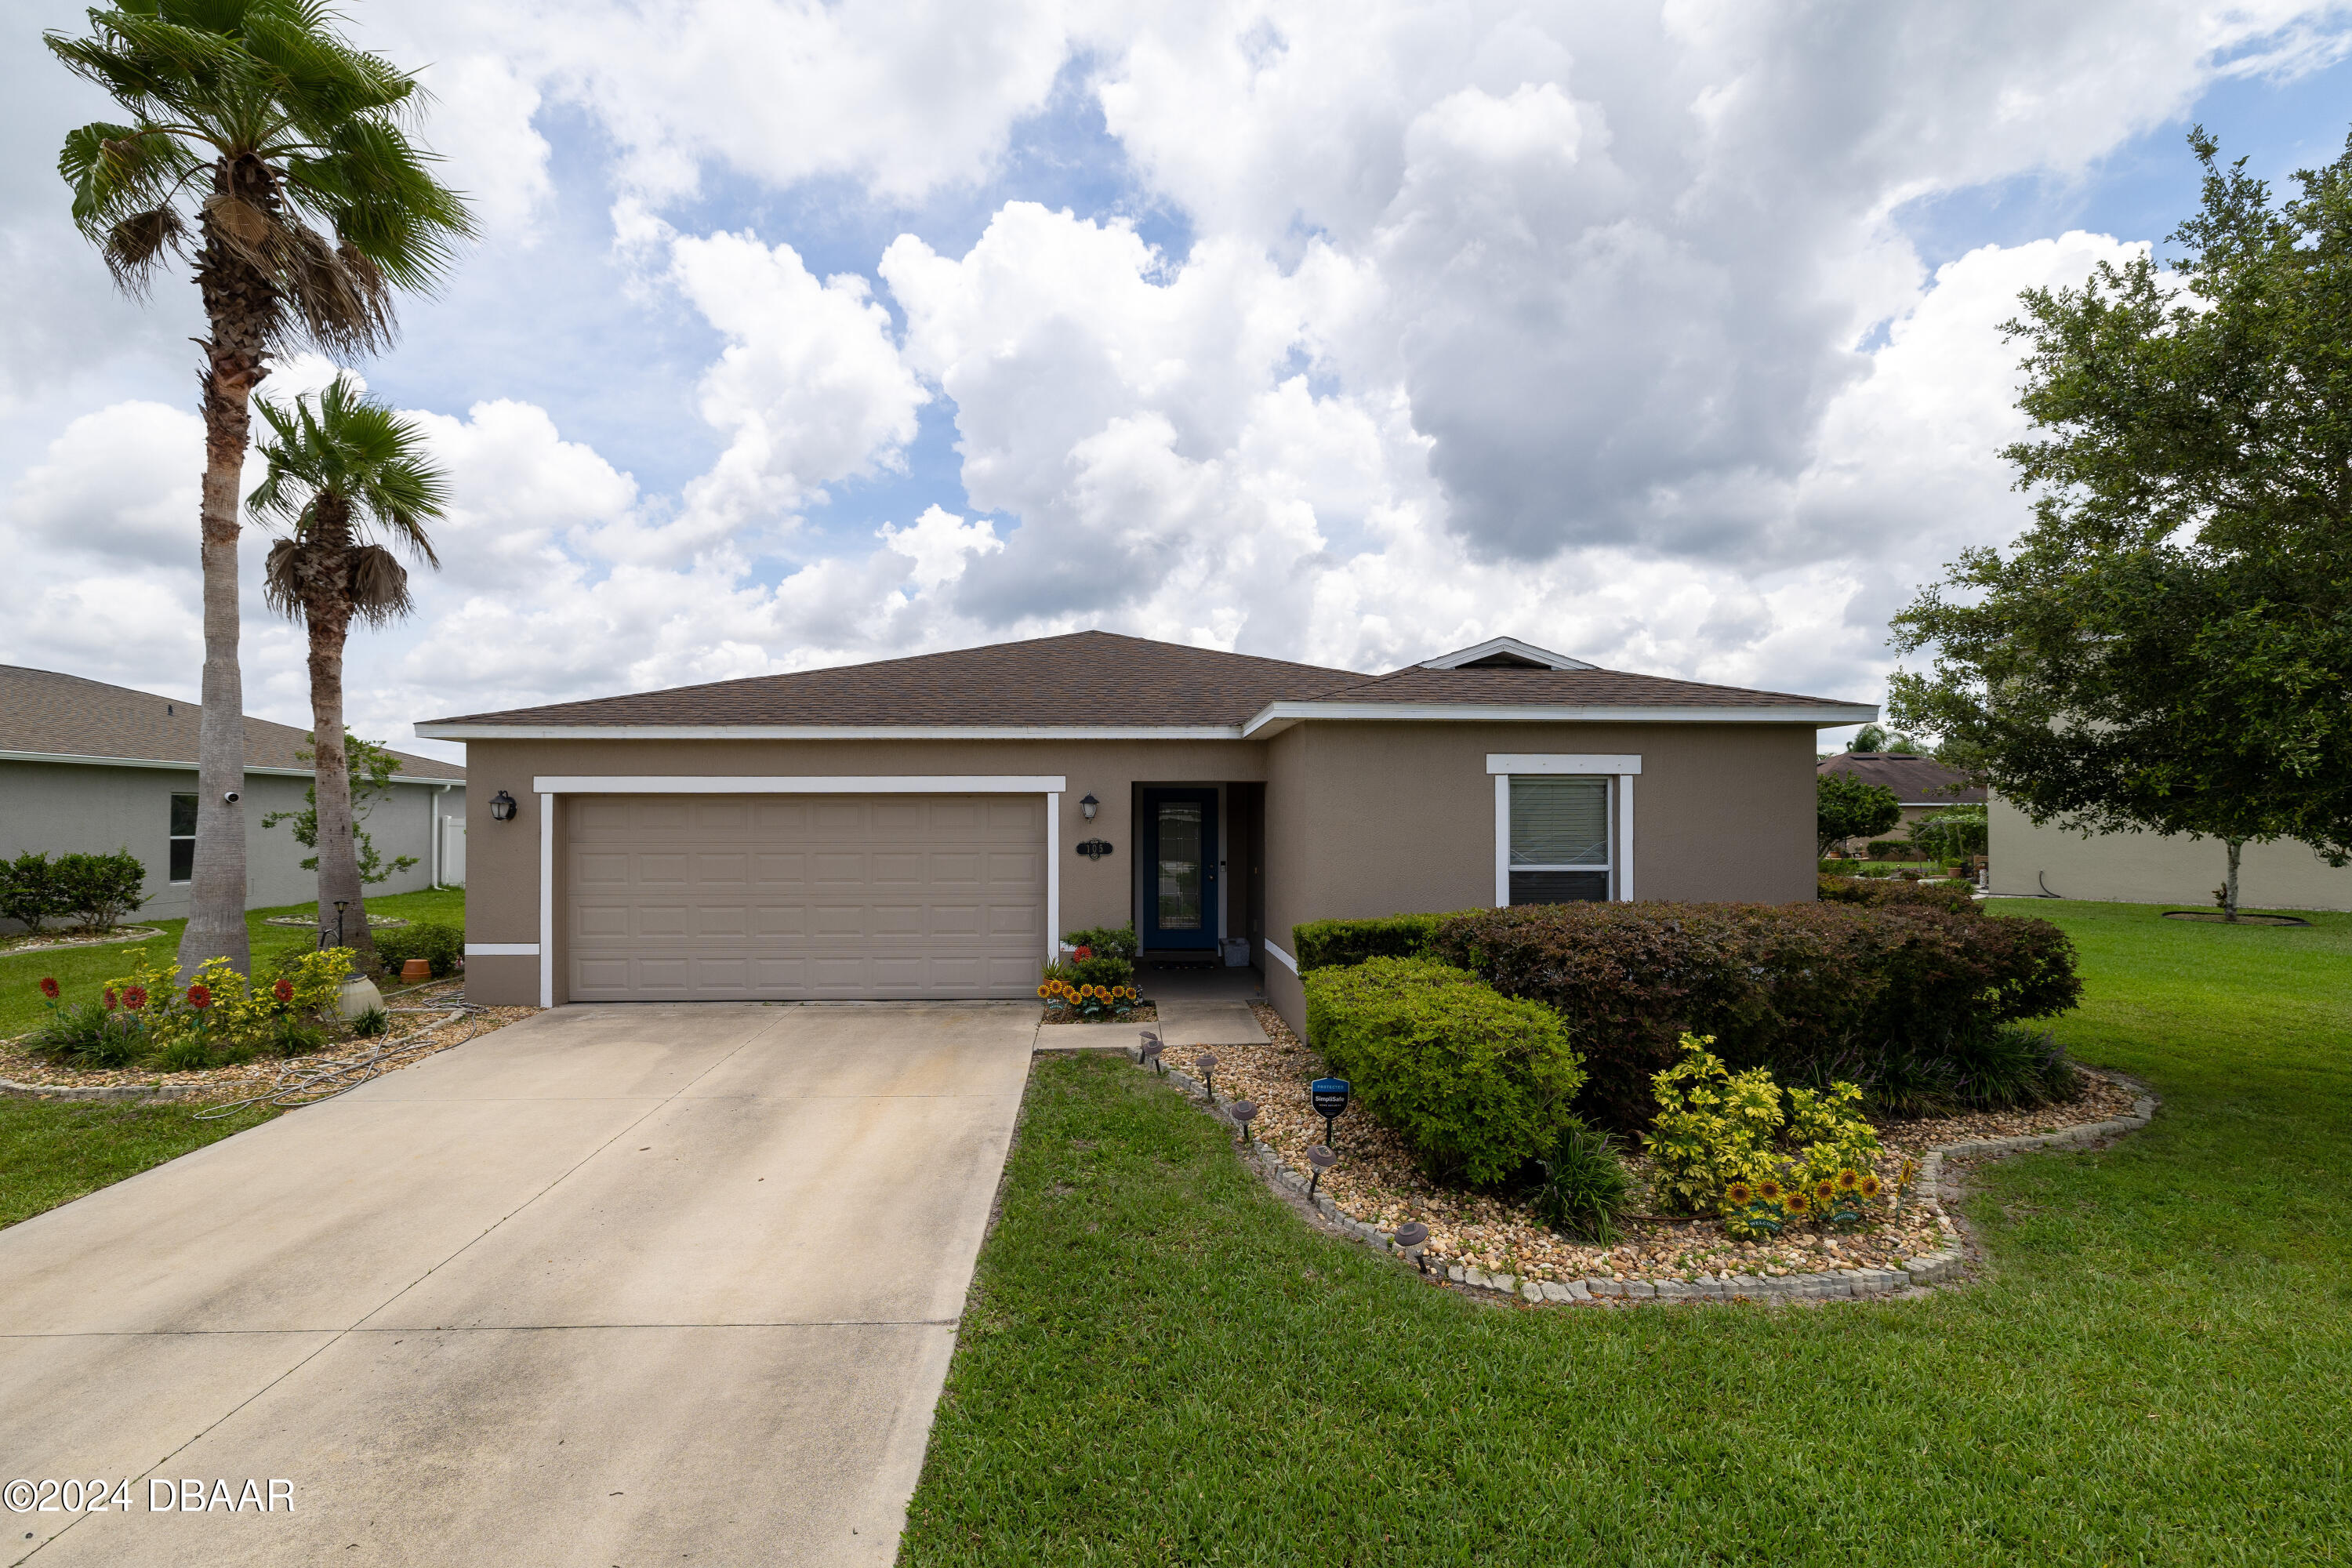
(1559, 821)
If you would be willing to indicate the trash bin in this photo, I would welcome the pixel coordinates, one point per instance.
(1237, 952)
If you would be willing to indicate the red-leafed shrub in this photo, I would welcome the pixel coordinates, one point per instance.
(1803, 989)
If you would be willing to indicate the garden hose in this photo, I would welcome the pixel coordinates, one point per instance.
(319, 1079)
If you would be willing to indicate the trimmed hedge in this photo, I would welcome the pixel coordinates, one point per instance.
(1321, 944)
(1878, 892)
(1478, 1083)
(438, 943)
(1803, 989)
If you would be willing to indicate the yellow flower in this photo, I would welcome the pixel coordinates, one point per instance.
(1825, 1189)
(1739, 1195)
(1045, 990)
(1870, 1188)
(1797, 1204)
(1847, 1181)
(1769, 1190)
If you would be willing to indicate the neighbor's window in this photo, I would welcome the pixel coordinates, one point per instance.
(183, 837)
(1559, 839)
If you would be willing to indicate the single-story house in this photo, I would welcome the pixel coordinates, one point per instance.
(2146, 868)
(1922, 786)
(92, 768)
(931, 826)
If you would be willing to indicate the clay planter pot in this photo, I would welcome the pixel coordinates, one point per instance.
(415, 969)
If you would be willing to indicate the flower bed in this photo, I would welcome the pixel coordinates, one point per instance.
(23, 1072)
(1376, 1183)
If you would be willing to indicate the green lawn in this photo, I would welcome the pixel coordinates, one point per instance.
(52, 1151)
(1160, 1364)
(81, 971)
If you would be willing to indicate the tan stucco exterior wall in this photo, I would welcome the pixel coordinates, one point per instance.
(1361, 818)
(2143, 868)
(1376, 819)
(502, 900)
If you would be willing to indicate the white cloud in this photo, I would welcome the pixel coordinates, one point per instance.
(941, 545)
(809, 388)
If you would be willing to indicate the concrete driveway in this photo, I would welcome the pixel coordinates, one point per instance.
(615, 1285)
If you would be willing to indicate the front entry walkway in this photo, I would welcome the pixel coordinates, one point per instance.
(614, 1285)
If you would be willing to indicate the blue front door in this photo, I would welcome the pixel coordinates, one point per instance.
(1180, 868)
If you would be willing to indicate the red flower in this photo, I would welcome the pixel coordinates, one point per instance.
(1082, 953)
(283, 990)
(200, 996)
(48, 988)
(109, 998)
(134, 997)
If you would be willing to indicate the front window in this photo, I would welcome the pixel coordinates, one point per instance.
(183, 837)
(1559, 839)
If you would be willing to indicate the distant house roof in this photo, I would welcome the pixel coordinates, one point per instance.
(1104, 684)
(1915, 780)
(49, 717)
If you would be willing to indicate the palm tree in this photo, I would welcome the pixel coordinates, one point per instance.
(282, 144)
(340, 468)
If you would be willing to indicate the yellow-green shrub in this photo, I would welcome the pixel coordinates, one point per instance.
(1716, 1130)
(217, 1009)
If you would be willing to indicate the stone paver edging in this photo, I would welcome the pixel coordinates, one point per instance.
(1946, 1264)
(9, 1086)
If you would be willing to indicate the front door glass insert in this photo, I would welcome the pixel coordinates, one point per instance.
(1180, 868)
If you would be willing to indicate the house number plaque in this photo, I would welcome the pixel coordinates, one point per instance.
(1095, 848)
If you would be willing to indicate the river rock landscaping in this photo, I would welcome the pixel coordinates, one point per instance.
(1377, 1183)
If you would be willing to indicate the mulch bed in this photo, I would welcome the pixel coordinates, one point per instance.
(257, 1076)
(1141, 1013)
(1377, 1182)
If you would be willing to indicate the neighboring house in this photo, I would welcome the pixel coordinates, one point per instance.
(2144, 868)
(931, 826)
(1924, 785)
(92, 767)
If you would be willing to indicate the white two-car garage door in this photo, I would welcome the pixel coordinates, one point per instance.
(695, 898)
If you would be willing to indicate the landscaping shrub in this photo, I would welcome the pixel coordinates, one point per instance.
(98, 891)
(1106, 942)
(1478, 1083)
(27, 890)
(1103, 969)
(1720, 1136)
(216, 1009)
(1958, 898)
(1321, 944)
(1891, 849)
(440, 943)
(1583, 1188)
(86, 1034)
(1799, 988)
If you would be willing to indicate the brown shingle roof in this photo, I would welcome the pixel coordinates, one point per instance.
(1915, 780)
(1099, 679)
(65, 715)
(1562, 688)
(1083, 678)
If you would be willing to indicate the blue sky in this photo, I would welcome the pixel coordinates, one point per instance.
(1667, 338)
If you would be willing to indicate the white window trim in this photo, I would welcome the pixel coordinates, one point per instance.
(502, 949)
(1623, 769)
(171, 838)
(550, 785)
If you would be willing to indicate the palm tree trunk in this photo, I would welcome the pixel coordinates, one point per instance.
(329, 616)
(236, 304)
(2229, 888)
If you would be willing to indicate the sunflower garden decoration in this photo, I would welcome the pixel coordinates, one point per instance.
(1091, 1002)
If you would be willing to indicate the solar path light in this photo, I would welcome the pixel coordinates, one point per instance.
(1207, 1062)
(1322, 1159)
(1330, 1098)
(1147, 1051)
(1410, 1239)
(1244, 1111)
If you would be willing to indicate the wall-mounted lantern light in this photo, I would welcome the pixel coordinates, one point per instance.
(502, 807)
(1088, 806)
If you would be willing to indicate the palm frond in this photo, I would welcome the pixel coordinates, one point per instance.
(378, 585)
(343, 445)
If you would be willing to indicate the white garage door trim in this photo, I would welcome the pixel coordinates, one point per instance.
(548, 785)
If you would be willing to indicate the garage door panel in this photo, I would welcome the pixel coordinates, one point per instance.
(815, 896)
